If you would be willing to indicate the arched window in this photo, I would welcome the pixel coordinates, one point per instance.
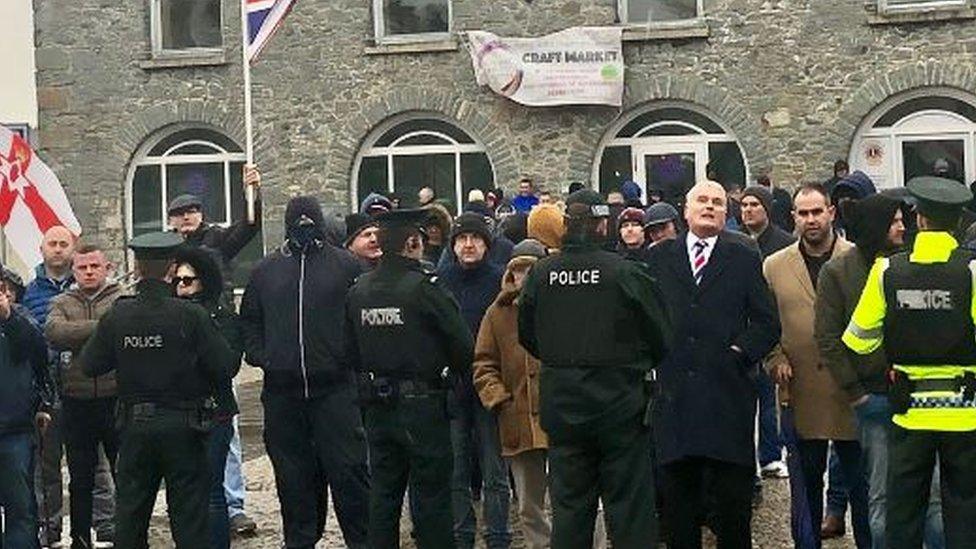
(409, 153)
(667, 147)
(197, 161)
(923, 132)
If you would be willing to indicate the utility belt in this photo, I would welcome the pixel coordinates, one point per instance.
(379, 389)
(196, 414)
(904, 392)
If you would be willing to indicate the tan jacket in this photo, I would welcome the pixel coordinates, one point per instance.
(821, 409)
(506, 376)
(70, 323)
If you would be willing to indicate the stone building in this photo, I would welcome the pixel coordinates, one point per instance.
(140, 100)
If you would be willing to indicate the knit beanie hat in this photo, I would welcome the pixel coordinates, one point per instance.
(470, 222)
(545, 224)
(355, 224)
(304, 205)
(631, 191)
(763, 195)
(635, 215)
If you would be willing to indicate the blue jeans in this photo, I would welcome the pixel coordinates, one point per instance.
(233, 477)
(472, 420)
(873, 427)
(836, 486)
(217, 446)
(770, 445)
(17, 491)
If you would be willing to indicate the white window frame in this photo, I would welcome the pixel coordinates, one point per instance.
(156, 35)
(669, 143)
(392, 150)
(624, 18)
(142, 158)
(379, 28)
(887, 8)
(910, 128)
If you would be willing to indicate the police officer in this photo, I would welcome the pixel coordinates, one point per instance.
(920, 305)
(404, 333)
(598, 325)
(170, 360)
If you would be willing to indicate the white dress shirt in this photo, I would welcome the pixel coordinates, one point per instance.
(691, 240)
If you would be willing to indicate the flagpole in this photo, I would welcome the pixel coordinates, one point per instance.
(248, 137)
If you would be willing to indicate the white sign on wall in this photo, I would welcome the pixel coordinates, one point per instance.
(576, 66)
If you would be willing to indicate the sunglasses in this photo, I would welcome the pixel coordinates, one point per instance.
(184, 280)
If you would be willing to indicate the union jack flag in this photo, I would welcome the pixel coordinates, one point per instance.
(263, 19)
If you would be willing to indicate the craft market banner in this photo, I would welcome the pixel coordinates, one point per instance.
(576, 66)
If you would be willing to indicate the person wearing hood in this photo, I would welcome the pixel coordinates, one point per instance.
(632, 194)
(506, 377)
(437, 227)
(88, 404)
(878, 222)
(198, 279)
(853, 186)
(293, 319)
(475, 282)
(362, 239)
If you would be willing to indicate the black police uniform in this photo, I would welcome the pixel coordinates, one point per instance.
(170, 360)
(599, 326)
(404, 330)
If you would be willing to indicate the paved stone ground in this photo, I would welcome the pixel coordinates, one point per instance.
(770, 525)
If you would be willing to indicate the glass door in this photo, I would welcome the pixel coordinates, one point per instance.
(946, 155)
(670, 169)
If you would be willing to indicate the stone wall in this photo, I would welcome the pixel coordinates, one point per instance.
(791, 79)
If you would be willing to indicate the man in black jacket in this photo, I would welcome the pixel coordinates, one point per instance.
(725, 323)
(293, 318)
(23, 366)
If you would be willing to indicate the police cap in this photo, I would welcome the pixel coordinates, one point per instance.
(184, 202)
(394, 219)
(586, 203)
(156, 245)
(938, 195)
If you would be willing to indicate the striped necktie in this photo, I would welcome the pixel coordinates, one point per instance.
(698, 265)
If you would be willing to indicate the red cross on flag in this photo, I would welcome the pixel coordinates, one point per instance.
(31, 198)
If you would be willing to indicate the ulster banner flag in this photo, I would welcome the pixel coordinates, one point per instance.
(31, 198)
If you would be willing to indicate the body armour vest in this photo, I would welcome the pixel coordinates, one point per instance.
(928, 319)
(582, 317)
(395, 338)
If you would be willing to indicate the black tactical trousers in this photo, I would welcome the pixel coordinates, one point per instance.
(162, 448)
(612, 464)
(911, 460)
(315, 446)
(410, 448)
(86, 424)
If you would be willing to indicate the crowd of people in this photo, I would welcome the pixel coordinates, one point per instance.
(636, 365)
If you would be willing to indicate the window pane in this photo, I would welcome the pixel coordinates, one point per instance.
(203, 180)
(423, 124)
(642, 11)
(415, 16)
(372, 176)
(196, 148)
(411, 173)
(189, 24)
(615, 168)
(945, 158)
(252, 253)
(669, 129)
(476, 173)
(725, 164)
(147, 211)
(912, 106)
(194, 134)
(424, 139)
(691, 117)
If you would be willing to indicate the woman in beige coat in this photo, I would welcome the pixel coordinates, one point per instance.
(507, 380)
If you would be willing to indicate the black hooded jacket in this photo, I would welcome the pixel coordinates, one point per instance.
(293, 311)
